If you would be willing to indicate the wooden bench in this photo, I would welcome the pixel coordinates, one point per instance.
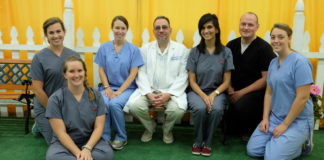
(12, 74)
(15, 88)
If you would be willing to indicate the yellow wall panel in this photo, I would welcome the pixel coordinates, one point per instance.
(88, 58)
(183, 14)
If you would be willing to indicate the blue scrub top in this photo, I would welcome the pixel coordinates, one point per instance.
(295, 71)
(118, 66)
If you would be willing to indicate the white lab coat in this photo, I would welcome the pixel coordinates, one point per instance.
(176, 74)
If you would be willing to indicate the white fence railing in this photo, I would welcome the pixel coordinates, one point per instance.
(300, 42)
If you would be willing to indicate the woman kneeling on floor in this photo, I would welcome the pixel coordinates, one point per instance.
(288, 109)
(77, 116)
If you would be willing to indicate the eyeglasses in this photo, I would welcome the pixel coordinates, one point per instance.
(164, 27)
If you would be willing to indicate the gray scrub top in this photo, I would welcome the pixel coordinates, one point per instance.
(78, 117)
(47, 67)
(209, 68)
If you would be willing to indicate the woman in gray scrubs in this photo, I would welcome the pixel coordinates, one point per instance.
(209, 66)
(46, 71)
(77, 116)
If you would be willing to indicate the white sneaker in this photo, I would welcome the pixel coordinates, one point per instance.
(168, 138)
(147, 136)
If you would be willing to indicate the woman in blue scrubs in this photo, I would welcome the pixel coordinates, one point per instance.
(77, 116)
(118, 62)
(288, 109)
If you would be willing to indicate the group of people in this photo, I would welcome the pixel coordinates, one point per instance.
(245, 75)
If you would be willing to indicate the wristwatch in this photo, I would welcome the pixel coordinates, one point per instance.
(105, 87)
(217, 92)
(87, 147)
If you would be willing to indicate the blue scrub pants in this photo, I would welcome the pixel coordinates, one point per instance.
(286, 147)
(204, 122)
(115, 116)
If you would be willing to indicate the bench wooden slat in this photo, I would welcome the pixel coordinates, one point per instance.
(13, 86)
(7, 95)
(16, 61)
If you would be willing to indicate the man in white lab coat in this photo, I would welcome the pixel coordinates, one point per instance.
(161, 81)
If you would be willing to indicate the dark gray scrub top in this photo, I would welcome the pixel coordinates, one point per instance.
(209, 68)
(78, 117)
(47, 67)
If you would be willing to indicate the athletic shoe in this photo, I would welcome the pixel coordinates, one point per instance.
(206, 151)
(308, 145)
(195, 149)
(168, 138)
(147, 136)
(118, 145)
(35, 130)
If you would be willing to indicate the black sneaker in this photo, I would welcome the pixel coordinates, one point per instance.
(308, 145)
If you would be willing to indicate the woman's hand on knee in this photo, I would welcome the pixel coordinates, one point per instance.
(279, 130)
(264, 126)
(85, 154)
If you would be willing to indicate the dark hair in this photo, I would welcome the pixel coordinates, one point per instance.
(92, 96)
(52, 21)
(161, 17)
(121, 18)
(218, 44)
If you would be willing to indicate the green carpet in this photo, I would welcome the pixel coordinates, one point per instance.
(14, 145)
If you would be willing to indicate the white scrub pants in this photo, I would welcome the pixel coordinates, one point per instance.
(140, 110)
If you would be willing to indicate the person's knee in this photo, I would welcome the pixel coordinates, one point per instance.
(217, 111)
(134, 108)
(273, 155)
(199, 110)
(180, 112)
(253, 150)
(238, 107)
(47, 134)
(114, 107)
(175, 114)
(107, 154)
(137, 107)
(280, 152)
(105, 98)
(50, 155)
(103, 156)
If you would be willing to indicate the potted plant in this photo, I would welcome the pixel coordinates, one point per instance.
(318, 112)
